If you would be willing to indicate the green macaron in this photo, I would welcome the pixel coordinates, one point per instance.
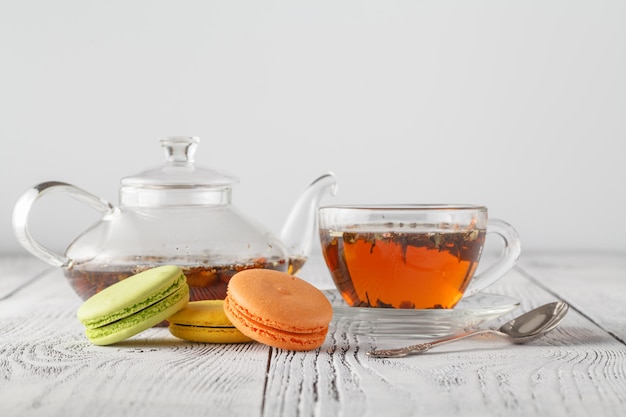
(134, 304)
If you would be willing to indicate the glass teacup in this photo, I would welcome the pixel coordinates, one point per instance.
(411, 256)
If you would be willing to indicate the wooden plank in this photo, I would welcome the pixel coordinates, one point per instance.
(49, 368)
(19, 271)
(593, 283)
(575, 370)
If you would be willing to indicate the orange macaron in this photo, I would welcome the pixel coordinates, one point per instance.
(278, 309)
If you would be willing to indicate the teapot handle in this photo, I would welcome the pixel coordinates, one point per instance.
(25, 203)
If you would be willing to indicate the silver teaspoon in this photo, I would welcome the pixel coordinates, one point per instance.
(522, 329)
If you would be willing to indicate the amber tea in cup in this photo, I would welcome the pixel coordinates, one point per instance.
(411, 256)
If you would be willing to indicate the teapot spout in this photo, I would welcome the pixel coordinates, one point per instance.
(301, 225)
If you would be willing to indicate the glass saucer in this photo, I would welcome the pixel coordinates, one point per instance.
(417, 324)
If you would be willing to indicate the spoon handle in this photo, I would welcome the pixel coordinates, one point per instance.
(425, 347)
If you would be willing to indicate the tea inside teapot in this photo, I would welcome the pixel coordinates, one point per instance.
(206, 282)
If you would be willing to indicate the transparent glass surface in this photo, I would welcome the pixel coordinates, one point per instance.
(419, 323)
(177, 213)
(412, 256)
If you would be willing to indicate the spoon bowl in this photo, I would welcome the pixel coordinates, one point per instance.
(535, 323)
(529, 326)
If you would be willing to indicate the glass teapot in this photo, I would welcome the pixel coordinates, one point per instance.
(176, 214)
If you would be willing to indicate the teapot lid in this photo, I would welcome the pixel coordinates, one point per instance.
(179, 181)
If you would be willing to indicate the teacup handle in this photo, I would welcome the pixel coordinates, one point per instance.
(506, 261)
(25, 203)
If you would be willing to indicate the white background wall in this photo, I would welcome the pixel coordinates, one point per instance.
(520, 106)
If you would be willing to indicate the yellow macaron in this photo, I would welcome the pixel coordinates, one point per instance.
(205, 321)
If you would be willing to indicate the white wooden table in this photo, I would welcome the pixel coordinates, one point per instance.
(48, 368)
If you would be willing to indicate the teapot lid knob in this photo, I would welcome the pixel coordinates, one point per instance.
(180, 150)
(179, 182)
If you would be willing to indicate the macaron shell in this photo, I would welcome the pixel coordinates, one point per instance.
(209, 334)
(274, 337)
(279, 300)
(205, 321)
(140, 321)
(130, 295)
(278, 309)
(206, 313)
